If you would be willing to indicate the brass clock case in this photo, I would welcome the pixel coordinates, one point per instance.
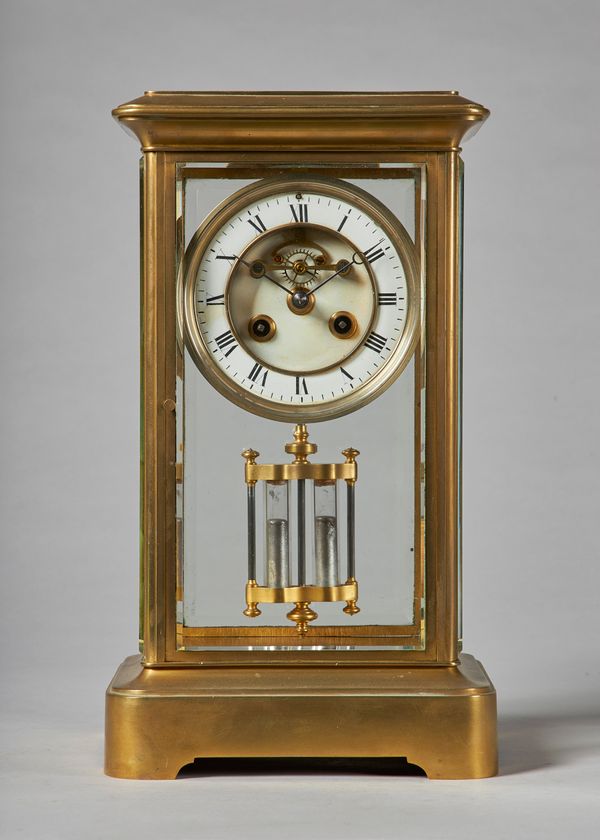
(212, 689)
(359, 396)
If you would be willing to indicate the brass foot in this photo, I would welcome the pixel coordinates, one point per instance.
(251, 606)
(351, 607)
(302, 614)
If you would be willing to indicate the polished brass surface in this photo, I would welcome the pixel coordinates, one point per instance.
(399, 689)
(350, 455)
(251, 610)
(178, 121)
(250, 455)
(300, 447)
(351, 607)
(302, 613)
(290, 594)
(300, 467)
(292, 472)
(442, 719)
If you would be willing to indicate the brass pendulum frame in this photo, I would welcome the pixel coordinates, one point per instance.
(300, 470)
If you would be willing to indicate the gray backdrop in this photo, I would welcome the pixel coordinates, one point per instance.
(69, 357)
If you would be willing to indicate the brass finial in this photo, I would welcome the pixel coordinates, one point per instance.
(302, 614)
(252, 610)
(351, 607)
(350, 455)
(301, 448)
(250, 455)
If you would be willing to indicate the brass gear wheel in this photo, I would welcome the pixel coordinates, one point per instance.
(300, 266)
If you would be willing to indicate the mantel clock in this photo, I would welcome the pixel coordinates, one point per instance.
(301, 306)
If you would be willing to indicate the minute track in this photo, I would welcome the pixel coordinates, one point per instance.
(311, 372)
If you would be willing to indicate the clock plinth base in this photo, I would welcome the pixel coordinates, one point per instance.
(441, 718)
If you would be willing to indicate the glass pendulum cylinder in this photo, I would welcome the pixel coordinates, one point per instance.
(277, 557)
(326, 537)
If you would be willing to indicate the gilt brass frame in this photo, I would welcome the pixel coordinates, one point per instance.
(163, 638)
(289, 594)
(433, 705)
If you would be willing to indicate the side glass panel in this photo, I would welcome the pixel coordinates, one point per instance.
(212, 532)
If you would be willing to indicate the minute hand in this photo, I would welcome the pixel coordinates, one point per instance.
(344, 267)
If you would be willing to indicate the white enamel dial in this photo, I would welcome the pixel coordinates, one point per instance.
(300, 298)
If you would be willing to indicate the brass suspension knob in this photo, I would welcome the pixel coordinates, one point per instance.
(300, 448)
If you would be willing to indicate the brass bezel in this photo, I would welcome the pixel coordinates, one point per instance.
(359, 396)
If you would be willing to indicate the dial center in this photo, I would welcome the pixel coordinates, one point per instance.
(261, 287)
(300, 301)
(300, 267)
(300, 298)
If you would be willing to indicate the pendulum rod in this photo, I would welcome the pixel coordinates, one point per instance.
(251, 532)
(350, 530)
(351, 607)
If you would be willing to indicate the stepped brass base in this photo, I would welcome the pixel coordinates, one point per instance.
(441, 718)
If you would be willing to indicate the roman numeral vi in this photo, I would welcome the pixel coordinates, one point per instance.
(301, 385)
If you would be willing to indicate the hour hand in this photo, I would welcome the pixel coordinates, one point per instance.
(257, 269)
